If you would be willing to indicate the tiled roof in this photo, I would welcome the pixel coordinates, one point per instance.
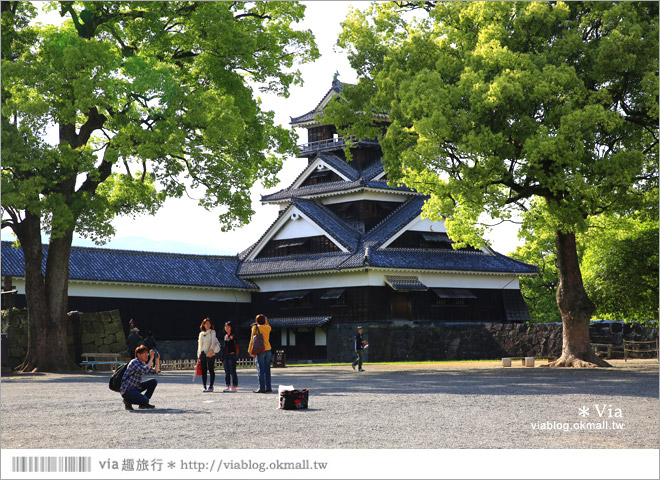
(447, 259)
(337, 87)
(357, 180)
(309, 116)
(288, 322)
(373, 170)
(400, 258)
(394, 222)
(453, 293)
(338, 164)
(332, 187)
(99, 264)
(297, 263)
(330, 222)
(514, 306)
(365, 249)
(405, 283)
(292, 322)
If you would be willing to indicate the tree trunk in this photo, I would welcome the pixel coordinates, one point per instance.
(575, 307)
(47, 300)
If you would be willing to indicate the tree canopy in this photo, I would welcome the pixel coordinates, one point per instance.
(544, 109)
(619, 263)
(147, 99)
(495, 103)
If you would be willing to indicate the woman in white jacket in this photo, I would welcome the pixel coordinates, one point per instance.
(206, 353)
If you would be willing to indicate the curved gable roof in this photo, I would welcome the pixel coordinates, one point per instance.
(330, 223)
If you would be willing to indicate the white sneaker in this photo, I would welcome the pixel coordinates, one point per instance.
(228, 389)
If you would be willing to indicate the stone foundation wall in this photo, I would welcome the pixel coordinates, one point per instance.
(99, 333)
(102, 332)
(469, 342)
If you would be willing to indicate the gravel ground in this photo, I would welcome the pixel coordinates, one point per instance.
(448, 405)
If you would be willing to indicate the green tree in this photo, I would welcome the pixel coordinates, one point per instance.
(619, 261)
(148, 99)
(620, 264)
(540, 291)
(495, 104)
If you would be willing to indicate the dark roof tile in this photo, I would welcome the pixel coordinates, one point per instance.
(446, 259)
(330, 222)
(100, 264)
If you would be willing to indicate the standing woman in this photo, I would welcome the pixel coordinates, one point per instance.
(263, 358)
(205, 352)
(229, 358)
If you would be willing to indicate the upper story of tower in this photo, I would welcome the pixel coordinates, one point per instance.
(323, 138)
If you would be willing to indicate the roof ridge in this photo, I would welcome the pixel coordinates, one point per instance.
(511, 258)
(318, 157)
(439, 250)
(326, 211)
(340, 164)
(250, 249)
(300, 255)
(337, 87)
(373, 232)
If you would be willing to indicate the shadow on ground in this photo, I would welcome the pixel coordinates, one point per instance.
(339, 381)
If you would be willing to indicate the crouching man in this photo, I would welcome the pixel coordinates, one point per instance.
(132, 385)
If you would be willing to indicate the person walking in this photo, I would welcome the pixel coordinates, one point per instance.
(132, 385)
(263, 358)
(206, 345)
(360, 345)
(229, 358)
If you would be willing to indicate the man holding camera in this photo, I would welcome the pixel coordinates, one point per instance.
(132, 385)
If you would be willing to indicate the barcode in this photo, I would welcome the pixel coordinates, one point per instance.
(51, 464)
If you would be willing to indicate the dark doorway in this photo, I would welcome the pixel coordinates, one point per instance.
(305, 344)
(400, 307)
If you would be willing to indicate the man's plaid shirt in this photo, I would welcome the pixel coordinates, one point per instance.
(133, 375)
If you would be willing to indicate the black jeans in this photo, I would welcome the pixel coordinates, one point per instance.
(208, 364)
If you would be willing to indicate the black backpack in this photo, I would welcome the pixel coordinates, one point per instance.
(116, 378)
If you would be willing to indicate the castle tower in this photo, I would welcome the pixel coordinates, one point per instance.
(347, 248)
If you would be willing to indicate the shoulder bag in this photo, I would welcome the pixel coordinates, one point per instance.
(258, 345)
(216, 344)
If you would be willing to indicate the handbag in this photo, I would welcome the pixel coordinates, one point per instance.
(216, 345)
(294, 399)
(258, 345)
(198, 370)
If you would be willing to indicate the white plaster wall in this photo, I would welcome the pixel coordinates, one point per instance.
(376, 278)
(149, 292)
(358, 196)
(320, 338)
(299, 228)
(426, 225)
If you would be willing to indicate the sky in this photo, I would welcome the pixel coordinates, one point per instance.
(181, 226)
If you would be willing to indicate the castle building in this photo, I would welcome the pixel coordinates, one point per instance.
(346, 248)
